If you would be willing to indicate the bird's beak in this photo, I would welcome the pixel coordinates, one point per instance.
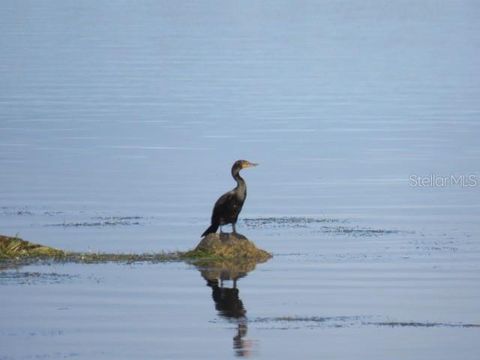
(251, 165)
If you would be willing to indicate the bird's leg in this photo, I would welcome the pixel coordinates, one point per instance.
(221, 229)
(233, 228)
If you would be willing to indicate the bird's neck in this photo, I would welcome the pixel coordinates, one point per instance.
(241, 187)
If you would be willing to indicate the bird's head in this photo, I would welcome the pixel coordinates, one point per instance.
(243, 164)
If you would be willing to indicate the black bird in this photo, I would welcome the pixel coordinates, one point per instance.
(228, 206)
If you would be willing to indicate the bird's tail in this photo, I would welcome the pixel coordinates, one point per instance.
(212, 229)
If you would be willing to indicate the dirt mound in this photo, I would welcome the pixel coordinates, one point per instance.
(229, 246)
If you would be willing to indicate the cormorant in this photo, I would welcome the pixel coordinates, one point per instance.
(228, 206)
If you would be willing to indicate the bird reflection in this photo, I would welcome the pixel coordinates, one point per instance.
(227, 300)
(230, 306)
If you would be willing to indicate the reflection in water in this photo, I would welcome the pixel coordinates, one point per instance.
(229, 306)
(227, 300)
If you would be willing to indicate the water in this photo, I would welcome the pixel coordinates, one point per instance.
(119, 123)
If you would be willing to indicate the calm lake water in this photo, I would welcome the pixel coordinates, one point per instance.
(119, 122)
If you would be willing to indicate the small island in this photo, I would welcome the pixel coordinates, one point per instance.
(228, 246)
(213, 247)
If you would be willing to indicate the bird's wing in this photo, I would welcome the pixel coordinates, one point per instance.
(222, 204)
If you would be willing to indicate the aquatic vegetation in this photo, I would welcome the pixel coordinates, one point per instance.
(298, 322)
(358, 231)
(101, 221)
(287, 222)
(15, 248)
(17, 277)
(212, 247)
(91, 258)
(319, 225)
(422, 324)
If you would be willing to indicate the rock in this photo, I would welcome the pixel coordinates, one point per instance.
(229, 246)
